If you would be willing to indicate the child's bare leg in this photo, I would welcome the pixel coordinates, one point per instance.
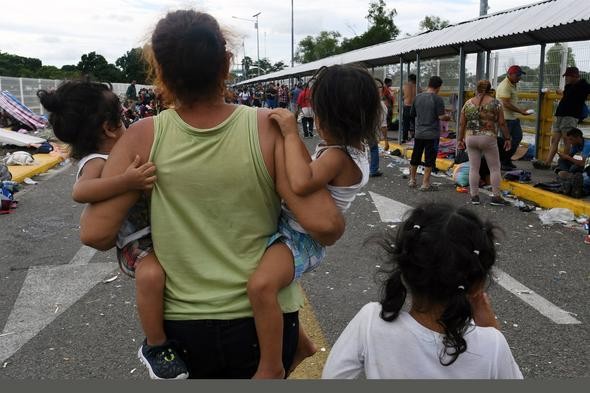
(305, 349)
(274, 272)
(149, 289)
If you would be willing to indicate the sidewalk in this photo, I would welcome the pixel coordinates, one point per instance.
(542, 198)
(44, 162)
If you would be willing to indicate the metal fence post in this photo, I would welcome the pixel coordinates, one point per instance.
(40, 106)
(540, 101)
(22, 94)
(460, 95)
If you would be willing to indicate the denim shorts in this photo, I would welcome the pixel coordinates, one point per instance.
(307, 253)
(130, 255)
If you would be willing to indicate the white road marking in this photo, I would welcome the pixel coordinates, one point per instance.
(394, 211)
(389, 209)
(534, 300)
(46, 293)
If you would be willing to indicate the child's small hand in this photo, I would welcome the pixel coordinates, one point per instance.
(481, 309)
(286, 121)
(140, 177)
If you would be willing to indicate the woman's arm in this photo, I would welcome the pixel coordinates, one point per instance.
(305, 176)
(100, 222)
(317, 212)
(505, 131)
(91, 188)
(461, 136)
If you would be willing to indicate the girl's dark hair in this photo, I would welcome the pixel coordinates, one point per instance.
(346, 101)
(439, 253)
(188, 57)
(78, 111)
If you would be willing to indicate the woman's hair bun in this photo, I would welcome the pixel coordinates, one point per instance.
(50, 100)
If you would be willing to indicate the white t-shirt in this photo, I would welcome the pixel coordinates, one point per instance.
(404, 349)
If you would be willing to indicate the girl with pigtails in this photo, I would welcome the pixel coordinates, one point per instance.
(442, 257)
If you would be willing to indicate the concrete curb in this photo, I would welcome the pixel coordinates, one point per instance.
(44, 163)
(544, 199)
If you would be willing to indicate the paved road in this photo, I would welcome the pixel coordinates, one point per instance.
(62, 318)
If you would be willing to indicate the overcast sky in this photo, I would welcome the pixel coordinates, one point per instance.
(58, 32)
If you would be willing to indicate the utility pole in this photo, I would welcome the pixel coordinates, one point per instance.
(479, 72)
(257, 41)
(292, 37)
(257, 36)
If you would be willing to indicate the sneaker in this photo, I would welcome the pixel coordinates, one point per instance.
(162, 361)
(499, 201)
(475, 200)
(376, 174)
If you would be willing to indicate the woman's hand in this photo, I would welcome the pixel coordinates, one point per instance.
(286, 121)
(461, 144)
(507, 144)
(481, 309)
(140, 177)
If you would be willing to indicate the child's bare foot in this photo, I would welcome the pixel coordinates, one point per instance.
(277, 373)
(305, 349)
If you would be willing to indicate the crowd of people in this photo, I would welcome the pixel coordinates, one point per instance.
(137, 105)
(216, 285)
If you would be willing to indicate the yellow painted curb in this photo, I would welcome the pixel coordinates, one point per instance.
(546, 199)
(44, 163)
(311, 368)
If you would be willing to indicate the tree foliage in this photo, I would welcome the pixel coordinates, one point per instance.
(315, 48)
(381, 29)
(431, 23)
(133, 66)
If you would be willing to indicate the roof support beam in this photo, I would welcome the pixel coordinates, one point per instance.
(461, 95)
(417, 71)
(400, 101)
(488, 57)
(540, 100)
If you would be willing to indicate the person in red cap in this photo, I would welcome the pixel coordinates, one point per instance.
(507, 93)
(568, 113)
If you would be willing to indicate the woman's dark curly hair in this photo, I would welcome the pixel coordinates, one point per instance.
(439, 253)
(346, 101)
(78, 111)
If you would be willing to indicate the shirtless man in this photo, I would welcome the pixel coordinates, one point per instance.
(409, 93)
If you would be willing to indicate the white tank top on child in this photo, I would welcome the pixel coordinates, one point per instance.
(343, 196)
(129, 231)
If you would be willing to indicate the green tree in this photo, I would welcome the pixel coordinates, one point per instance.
(431, 23)
(246, 64)
(96, 65)
(315, 48)
(554, 57)
(18, 66)
(278, 66)
(382, 28)
(133, 66)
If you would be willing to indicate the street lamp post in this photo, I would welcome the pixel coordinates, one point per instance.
(257, 35)
(257, 40)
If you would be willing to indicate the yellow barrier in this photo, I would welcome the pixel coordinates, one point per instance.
(547, 103)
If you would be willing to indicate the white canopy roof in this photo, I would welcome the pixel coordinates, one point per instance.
(543, 22)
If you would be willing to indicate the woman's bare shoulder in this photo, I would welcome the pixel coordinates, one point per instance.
(139, 137)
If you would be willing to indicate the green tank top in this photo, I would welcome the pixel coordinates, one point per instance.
(213, 208)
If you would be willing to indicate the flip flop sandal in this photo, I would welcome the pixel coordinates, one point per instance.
(412, 184)
(429, 188)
